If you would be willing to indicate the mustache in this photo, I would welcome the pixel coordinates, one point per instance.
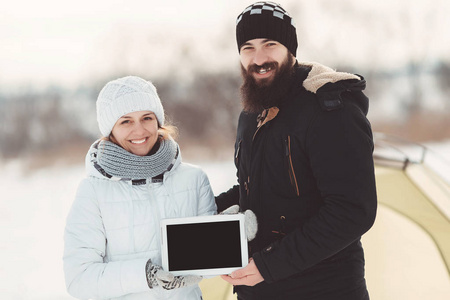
(267, 65)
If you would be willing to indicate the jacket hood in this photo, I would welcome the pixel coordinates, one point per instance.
(92, 171)
(329, 84)
(321, 75)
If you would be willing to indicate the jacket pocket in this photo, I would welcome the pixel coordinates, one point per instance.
(290, 166)
(281, 230)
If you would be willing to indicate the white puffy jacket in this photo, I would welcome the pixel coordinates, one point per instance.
(112, 230)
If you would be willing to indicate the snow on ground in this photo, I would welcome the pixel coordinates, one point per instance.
(33, 208)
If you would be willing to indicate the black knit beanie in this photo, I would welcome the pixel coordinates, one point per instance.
(266, 20)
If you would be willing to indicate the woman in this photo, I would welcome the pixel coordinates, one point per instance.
(135, 178)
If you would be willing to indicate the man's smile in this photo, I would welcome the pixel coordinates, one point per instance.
(264, 71)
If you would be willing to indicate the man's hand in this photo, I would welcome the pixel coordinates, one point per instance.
(251, 223)
(249, 275)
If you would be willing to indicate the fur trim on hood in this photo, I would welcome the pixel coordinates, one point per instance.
(321, 75)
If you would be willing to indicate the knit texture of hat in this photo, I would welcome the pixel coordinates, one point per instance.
(266, 20)
(125, 95)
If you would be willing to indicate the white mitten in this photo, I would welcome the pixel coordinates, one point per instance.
(157, 276)
(251, 223)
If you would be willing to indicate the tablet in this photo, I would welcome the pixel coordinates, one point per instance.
(204, 245)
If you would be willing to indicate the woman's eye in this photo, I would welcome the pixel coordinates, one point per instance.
(124, 122)
(148, 118)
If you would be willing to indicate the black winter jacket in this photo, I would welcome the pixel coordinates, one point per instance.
(306, 171)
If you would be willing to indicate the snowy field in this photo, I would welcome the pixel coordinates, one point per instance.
(33, 208)
(32, 214)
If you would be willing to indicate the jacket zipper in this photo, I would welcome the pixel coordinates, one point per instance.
(292, 176)
(236, 162)
(247, 182)
(236, 157)
(261, 124)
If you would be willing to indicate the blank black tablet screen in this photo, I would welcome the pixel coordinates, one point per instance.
(204, 246)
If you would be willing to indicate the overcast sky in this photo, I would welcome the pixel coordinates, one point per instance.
(68, 42)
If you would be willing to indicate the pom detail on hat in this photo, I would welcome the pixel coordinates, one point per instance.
(125, 95)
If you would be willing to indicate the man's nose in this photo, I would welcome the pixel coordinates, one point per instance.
(260, 57)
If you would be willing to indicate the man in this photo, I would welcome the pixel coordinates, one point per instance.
(304, 162)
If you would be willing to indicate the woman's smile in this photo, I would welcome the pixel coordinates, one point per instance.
(138, 141)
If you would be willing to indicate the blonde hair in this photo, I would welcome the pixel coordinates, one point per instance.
(168, 131)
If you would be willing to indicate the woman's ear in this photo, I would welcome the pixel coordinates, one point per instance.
(112, 139)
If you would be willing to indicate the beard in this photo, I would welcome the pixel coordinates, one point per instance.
(263, 94)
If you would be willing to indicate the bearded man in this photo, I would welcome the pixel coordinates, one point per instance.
(304, 162)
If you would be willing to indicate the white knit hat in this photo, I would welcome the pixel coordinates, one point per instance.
(124, 95)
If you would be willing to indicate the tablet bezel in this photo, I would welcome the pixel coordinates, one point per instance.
(204, 219)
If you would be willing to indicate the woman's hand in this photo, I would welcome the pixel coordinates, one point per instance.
(156, 276)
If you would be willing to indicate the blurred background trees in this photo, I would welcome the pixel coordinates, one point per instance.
(206, 109)
(399, 47)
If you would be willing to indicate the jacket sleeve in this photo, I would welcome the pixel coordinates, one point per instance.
(228, 198)
(206, 204)
(339, 146)
(87, 275)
